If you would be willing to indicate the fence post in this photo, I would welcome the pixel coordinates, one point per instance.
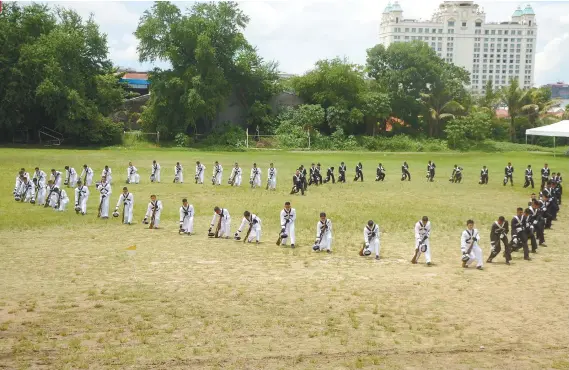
(157, 137)
(247, 138)
(308, 139)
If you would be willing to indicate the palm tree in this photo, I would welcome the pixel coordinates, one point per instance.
(440, 106)
(490, 99)
(514, 98)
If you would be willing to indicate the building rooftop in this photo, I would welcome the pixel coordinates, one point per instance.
(518, 12)
(528, 10)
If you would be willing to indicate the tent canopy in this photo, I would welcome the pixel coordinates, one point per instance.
(559, 129)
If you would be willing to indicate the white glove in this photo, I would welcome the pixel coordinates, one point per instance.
(367, 245)
(535, 222)
(316, 241)
(519, 229)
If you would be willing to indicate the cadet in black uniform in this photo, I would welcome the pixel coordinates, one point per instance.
(509, 174)
(498, 235)
(380, 173)
(359, 172)
(342, 172)
(529, 177)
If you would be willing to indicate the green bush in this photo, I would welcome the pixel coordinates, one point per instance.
(182, 140)
(226, 134)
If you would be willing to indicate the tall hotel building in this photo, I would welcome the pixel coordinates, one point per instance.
(459, 33)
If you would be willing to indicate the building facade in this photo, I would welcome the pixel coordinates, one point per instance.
(459, 33)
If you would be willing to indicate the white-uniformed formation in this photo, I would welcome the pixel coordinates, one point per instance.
(527, 226)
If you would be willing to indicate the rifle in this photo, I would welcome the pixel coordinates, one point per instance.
(177, 175)
(322, 231)
(218, 227)
(248, 231)
(153, 217)
(101, 204)
(267, 187)
(123, 208)
(58, 204)
(198, 174)
(68, 177)
(78, 205)
(49, 197)
(279, 240)
(232, 179)
(86, 173)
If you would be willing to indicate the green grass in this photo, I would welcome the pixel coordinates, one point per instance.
(72, 298)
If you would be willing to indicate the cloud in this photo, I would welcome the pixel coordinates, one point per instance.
(298, 33)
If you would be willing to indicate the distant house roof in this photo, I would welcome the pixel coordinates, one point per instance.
(502, 113)
(135, 76)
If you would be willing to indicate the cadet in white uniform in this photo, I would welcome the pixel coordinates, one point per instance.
(154, 207)
(254, 226)
(178, 173)
(70, 176)
(200, 171)
(217, 174)
(81, 197)
(255, 178)
(56, 177)
(371, 239)
(288, 218)
(272, 178)
(107, 174)
(104, 188)
(127, 200)
(471, 237)
(186, 218)
(132, 176)
(422, 240)
(235, 178)
(87, 175)
(225, 227)
(323, 234)
(155, 174)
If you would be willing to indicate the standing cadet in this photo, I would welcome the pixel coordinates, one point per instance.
(498, 235)
(297, 183)
(186, 218)
(422, 240)
(519, 234)
(323, 240)
(380, 173)
(405, 174)
(545, 173)
(431, 171)
(330, 175)
(529, 177)
(272, 178)
(288, 218)
(359, 172)
(483, 176)
(509, 174)
(342, 172)
(371, 240)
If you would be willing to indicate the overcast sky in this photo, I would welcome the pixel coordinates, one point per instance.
(297, 33)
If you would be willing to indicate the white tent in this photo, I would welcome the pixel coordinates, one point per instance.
(559, 129)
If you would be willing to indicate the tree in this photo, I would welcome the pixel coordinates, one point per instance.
(538, 101)
(55, 72)
(465, 132)
(566, 112)
(408, 70)
(210, 59)
(491, 98)
(440, 106)
(339, 87)
(514, 98)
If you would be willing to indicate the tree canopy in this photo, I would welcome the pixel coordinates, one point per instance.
(55, 72)
(210, 59)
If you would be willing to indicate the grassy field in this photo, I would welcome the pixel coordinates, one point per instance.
(72, 298)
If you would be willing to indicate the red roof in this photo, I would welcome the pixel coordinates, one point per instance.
(136, 76)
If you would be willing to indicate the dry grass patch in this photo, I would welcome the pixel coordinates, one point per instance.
(72, 298)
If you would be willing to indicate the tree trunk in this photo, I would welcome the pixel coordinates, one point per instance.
(512, 129)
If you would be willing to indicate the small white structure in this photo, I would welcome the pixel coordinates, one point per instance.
(559, 129)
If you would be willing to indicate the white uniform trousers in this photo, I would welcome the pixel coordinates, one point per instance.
(374, 246)
(326, 242)
(237, 180)
(289, 231)
(200, 178)
(218, 178)
(255, 233)
(104, 205)
(225, 228)
(157, 175)
(180, 177)
(257, 181)
(73, 180)
(427, 252)
(42, 194)
(134, 178)
(128, 214)
(188, 224)
(273, 184)
(89, 181)
(475, 254)
(83, 204)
